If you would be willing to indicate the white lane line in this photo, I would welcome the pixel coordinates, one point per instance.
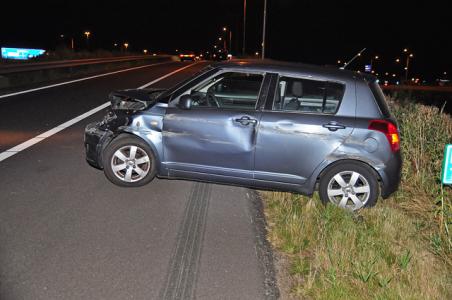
(16, 149)
(80, 79)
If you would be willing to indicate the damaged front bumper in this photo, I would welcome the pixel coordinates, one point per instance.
(124, 104)
(96, 139)
(99, 134)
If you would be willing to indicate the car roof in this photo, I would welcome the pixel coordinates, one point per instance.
(269, 65)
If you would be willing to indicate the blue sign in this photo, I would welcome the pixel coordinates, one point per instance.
(446, 176)
(18, 53)
(368, 68)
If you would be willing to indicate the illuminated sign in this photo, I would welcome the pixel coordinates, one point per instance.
(446, 176)
(367, 68)
(18, 53)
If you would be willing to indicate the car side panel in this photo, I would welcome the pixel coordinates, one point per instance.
(291, 145)
(209, 140)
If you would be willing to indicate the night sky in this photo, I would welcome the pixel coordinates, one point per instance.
(318, 32)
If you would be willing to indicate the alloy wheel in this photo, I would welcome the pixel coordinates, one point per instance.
(349, 189)
(130, 163)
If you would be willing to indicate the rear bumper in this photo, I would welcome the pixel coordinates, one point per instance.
(391, 175)
(95, 141)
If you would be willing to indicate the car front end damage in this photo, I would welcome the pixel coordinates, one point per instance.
(124, 105)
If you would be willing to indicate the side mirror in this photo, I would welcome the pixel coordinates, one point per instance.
(185, 102)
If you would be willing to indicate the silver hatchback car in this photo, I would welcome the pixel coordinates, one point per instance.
(261, 124)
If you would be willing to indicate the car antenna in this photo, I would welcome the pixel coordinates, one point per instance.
(351, 60)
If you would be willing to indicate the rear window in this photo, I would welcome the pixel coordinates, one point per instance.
(380, 99)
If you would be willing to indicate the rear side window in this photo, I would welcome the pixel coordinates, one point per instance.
(380, 99)
(304, 95)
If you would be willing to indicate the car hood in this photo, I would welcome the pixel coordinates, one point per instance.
(134, 99)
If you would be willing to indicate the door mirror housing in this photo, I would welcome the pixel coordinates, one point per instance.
(185, 102)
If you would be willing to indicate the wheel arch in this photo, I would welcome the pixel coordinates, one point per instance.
(125, 133)
(347, 160)
(324, 168)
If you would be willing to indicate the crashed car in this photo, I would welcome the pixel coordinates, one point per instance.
(260, 124)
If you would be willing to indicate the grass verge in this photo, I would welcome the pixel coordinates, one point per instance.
(400, 249)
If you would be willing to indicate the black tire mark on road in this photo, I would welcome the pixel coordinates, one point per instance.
(183, 269)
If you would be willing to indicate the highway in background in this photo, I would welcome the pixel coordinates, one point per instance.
(68, 233)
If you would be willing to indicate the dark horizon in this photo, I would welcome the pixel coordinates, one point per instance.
(317, 32)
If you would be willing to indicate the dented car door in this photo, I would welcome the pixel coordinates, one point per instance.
(217, 135)
(210, 141)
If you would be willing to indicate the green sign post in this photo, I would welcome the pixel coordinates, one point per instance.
(446, 174)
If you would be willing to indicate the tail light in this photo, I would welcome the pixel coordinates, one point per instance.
(181, 55)
(389, 130)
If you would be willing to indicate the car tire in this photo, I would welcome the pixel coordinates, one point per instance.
(349, 185)
(129, 162)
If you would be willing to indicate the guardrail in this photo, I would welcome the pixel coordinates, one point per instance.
(444, 89)
(439, 96)
(24, 67)
(19, 74)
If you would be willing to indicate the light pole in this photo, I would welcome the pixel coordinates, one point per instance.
(407, 65)
(263, 29)
(225, 29)
(224, 43)
(376, 57)
(87, 33)
(244, 27)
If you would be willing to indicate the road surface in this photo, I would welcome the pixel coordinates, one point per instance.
(68, 233)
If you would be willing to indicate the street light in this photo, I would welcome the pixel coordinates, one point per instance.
(244, 27)
(87, 33)
(225, 29)
(264, 29)
(126, 45)
(407, 65)
(376, 57)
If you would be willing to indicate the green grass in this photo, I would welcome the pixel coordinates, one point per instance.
(400, 249)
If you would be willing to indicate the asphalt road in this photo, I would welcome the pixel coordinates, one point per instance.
(67, 233)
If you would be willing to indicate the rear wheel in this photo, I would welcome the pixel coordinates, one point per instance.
(349, 185)
(128, 161)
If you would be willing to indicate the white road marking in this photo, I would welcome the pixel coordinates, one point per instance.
(78, 80)
(16, 149)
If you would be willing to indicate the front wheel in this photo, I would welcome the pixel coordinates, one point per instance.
(128, 161)
(349, 185)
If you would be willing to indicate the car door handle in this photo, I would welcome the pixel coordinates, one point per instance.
(333, 126)
(246, 121)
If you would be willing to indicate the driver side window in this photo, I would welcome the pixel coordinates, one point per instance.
(230, 90)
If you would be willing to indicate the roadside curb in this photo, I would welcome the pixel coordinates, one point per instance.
(263, 248)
